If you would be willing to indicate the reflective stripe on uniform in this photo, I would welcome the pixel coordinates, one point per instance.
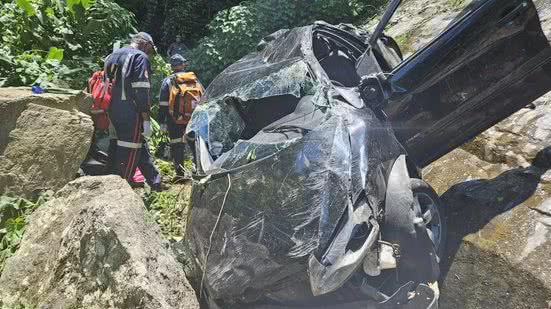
(163, 103)
(177, 140)
(97, 111)
(141, 85)
(129, 144)
(123, 76)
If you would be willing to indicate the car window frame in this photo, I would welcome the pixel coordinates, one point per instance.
(471, 9)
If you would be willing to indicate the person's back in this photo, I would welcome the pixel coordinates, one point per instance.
(130, 67)
(130, 108)
(177, 48)
(176, 129)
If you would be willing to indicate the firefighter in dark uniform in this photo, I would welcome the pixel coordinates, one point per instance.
(175, 131)
(130, 108)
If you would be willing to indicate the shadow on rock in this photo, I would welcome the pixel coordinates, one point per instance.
(474, 276)
(483, 279)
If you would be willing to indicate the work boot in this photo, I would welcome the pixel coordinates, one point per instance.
(158, 187)
(134, 184)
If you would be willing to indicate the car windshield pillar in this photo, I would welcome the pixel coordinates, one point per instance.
(389, 12)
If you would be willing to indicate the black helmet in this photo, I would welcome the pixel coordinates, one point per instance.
(177, 59)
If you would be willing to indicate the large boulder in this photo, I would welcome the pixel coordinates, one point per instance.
(43, 140)
(94, 246)
(499, 225)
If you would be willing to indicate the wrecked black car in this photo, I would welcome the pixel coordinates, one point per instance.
(308, 189)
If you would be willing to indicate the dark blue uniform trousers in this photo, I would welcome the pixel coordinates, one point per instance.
(177, 144)
(132, 149)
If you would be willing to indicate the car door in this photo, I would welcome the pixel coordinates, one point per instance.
(490, 62)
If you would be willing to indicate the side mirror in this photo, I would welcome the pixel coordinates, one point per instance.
(375, 92)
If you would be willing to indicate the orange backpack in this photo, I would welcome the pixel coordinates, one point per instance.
(185, 93)
(100, 87)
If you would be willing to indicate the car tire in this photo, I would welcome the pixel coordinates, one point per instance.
(437, 225)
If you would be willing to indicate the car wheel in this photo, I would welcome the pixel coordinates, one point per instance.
(433, 212)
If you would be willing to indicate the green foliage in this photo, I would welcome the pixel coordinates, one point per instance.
(164, 19)
(55, 54)
(60, 42)
(73, 4)
(169, 208)
(166, 169)
(161, 69)
(55, 42)
(234, 32)
(183, 18)
(157, 136)
(14, 214)
(26, 5)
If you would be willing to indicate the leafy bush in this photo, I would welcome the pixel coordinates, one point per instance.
(164, 19)
(161, 69)
(234, 32)
(169, 208)
(14, 213)
(55, 42)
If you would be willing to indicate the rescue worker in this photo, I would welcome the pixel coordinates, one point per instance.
(177, 47)
(176, 131)
(130, 108)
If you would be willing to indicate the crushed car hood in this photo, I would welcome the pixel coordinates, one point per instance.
(287, 156)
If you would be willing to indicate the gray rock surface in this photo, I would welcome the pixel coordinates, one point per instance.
(43, 140)
(94, 246)
(499, 239)
(518, 139)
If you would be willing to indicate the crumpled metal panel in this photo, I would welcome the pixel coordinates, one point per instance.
(274, 200)
(280, 209)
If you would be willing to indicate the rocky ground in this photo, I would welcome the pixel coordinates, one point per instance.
(499, 242)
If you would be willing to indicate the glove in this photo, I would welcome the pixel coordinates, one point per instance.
(163, 128)
(147, 129)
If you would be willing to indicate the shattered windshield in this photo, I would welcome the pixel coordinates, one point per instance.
(252, 76)
(265, 87)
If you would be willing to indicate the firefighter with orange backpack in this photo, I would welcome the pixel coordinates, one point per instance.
(180, 94)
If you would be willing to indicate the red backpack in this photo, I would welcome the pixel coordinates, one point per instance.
(100, 87)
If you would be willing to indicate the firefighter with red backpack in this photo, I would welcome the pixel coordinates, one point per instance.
(180, 94)
(127, 72)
